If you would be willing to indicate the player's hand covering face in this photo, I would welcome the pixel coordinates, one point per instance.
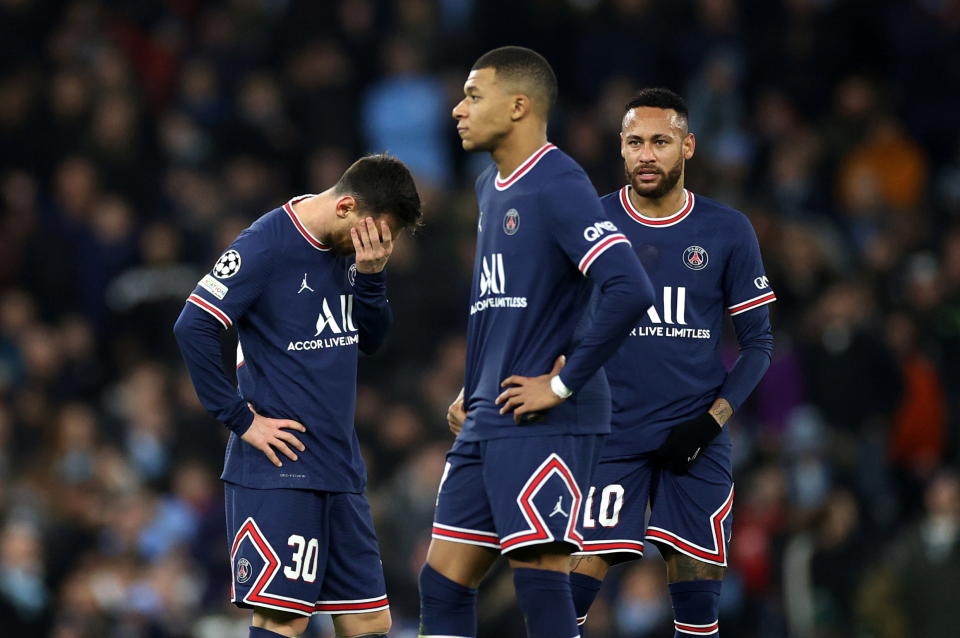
(654, 144)
(484, 114)
(372, 249)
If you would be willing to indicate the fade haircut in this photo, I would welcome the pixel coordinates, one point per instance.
(526, 71)
(660, 98)
(383, 184)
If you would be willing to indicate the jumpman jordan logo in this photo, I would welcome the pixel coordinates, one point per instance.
(558, 508)
(304, 286)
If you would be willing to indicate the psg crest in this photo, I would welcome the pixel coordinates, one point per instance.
(244, 570)
(695, 258)
(511, 222)
(228, 265)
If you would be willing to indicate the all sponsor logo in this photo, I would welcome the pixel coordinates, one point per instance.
(493, 280)
(493, 284)
(670, 318)
(332, 330)
(228, 265)
(511, 222)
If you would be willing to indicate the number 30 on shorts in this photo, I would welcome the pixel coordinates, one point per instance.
(611, 501)
(305, 555)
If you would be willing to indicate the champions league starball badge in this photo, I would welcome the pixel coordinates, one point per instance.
(227, 265)
(695, 258)
(244, 570)
(511, 222)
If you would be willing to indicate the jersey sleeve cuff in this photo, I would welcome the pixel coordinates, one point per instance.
(559, 387)
(750, 304)
(242, 420)
(371, 284)
(599, 249)
(211, 310)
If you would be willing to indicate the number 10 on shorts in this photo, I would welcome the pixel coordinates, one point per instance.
(611, 502)
(305, 555)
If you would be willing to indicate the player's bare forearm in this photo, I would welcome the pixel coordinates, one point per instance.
(373, 249)
(721, 410)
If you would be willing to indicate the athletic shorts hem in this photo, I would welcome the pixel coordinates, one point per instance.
(626, 549)
(465, 535)
(333, 608)
(362, 606)
(504, 550)
(663, 537)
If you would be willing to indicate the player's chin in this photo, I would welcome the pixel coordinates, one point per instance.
(646, 189)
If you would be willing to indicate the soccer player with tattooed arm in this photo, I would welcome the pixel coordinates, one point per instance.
(670, 446)
(306, 288)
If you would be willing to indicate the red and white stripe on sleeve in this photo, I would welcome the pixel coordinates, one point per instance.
(599, 248)
(210, 309)
(750, 304)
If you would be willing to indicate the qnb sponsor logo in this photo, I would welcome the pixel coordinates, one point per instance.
(493, 284)
(761, 282)
(597, 230)
(669, 320)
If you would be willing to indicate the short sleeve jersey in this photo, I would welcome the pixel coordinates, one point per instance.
(291, 299)
(704, 262)
(539, 230)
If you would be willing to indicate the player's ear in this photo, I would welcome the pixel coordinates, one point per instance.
(520, 107)
(689, 146)
(345, 205)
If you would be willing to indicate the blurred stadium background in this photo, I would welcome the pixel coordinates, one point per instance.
(139, 137)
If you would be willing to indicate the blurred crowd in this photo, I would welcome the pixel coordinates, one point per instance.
(139, 137)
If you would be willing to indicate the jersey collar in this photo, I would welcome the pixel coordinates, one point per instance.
(292, 214)
(657, 222)
(525, 167)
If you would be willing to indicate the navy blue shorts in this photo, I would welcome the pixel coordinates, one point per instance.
(692, 513)
(510, 493)
(303, 551)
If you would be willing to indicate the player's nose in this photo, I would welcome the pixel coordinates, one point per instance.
(459, 112)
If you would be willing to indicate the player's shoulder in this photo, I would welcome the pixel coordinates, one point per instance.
(711, 211)
(266, 232)
(612, 199)
(557, 165)
(561, 178)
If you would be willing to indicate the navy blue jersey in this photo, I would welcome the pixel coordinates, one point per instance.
(540, 231)
(704, 261)
(301, 313)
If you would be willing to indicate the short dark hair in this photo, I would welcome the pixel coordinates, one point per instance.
(383, 184)
(659, 98)
(525, 67)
